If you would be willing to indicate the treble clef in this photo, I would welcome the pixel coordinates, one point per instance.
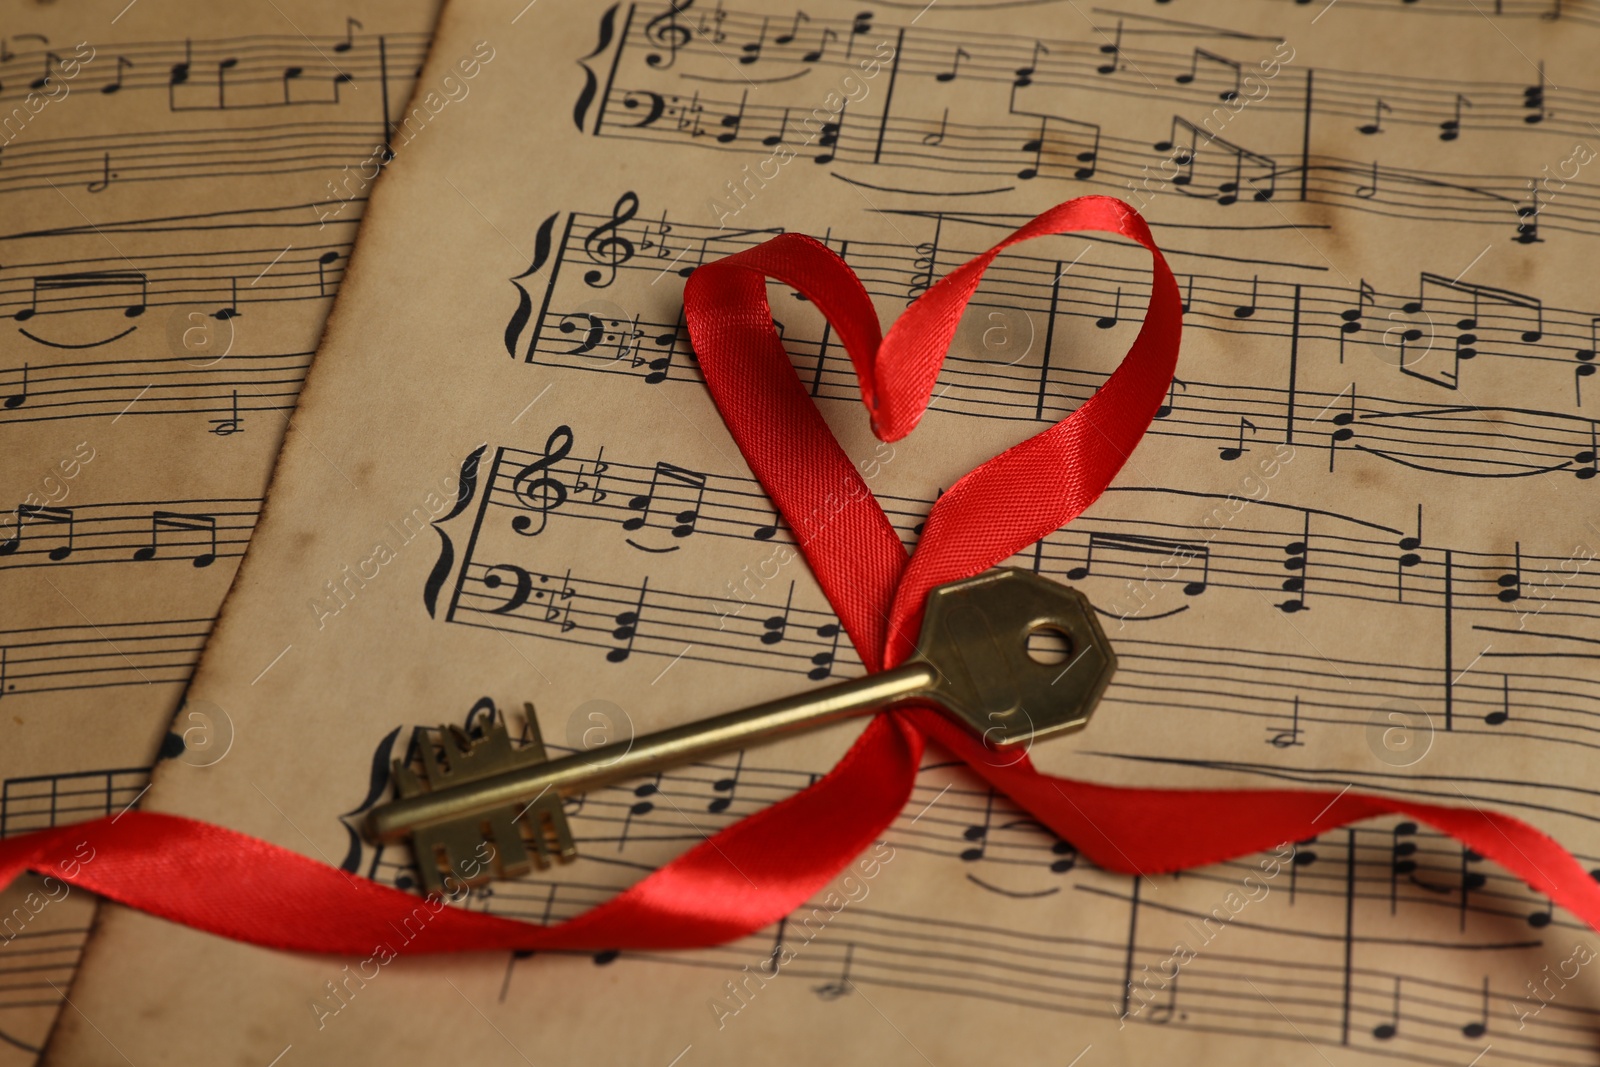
(663, 31)
(539, 491)
(606, 245)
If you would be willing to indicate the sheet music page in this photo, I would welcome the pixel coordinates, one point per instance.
(1355, 551)
(180, 188)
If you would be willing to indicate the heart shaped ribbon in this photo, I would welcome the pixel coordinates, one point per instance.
(751, 874)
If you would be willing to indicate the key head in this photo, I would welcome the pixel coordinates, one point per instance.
(975, 634)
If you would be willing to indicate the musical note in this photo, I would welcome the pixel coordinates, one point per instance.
(1450, 128)
(787, 38)
(322, 264)
(17, 399)
(180, 523)
(777, 626)
(822, 662)
(105, 175)
(979, 832)
(1244, 311)
(822, 46)
(1105, 322)
(1408, 557)
(1386, 1031)
(1024, 75)
(667, 480)
(1166, 409)
(727, 786)
(606, 245)
(1367, 192)
(1289, 738)
(1176, 555)
(1036, 146)
(1533, 99)
(1503, 716)
(774, 139)
(39, 514)
(830, 136)
(840, 986)
(1376, 125)
(1510, 582)
(931, 139)
(731, 123)
(1479, 1026)
(75, 281)
(1226, 95)
(123, 62)
(1589, 456)
(1296, 554)
(1235, 451)
(231, 309)
(1113, 48)
(627, 628)
(1528, 218)
(955, 66)
(350, 27)
(752, 50)
(52, 63)
(231, 425)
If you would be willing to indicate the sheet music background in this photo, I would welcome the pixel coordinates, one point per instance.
(1354, 551)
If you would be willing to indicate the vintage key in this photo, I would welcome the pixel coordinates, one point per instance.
(972, 662)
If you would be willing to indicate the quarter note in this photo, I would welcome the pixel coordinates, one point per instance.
(1244, 311)
(822, 662)
(1296, 554)
(776, 626)
(1510, 582)
(751, 50)
(830, 137)
(1479, 1026)
(1105, 322)
(627, 628)
(1528, 218)
(727, 787)
(731, 123)
(979, 832)
(1386, 1031)
(773, 139)
(17, 399)
(322, 265)
(1112, 48)
(1503, 716)
(1166, 409)
(1532, 99)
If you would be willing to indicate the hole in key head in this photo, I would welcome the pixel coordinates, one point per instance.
(1048, 645)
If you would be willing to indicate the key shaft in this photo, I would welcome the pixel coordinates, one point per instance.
(653, 752)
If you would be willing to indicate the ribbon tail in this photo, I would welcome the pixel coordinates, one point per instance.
(1146, 831)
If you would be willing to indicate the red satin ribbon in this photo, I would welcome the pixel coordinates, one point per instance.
(760, 869)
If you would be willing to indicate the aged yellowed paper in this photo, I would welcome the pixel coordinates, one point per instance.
(1355, 550)
(181, 187)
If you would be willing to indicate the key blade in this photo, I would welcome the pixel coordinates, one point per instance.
(975, 634)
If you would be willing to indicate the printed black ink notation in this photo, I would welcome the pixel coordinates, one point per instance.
(1428, 334)
(53, 659)
(194, 531)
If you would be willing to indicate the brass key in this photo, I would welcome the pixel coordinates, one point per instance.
(972, 662)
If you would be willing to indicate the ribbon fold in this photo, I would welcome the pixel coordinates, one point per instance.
(754, 872)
